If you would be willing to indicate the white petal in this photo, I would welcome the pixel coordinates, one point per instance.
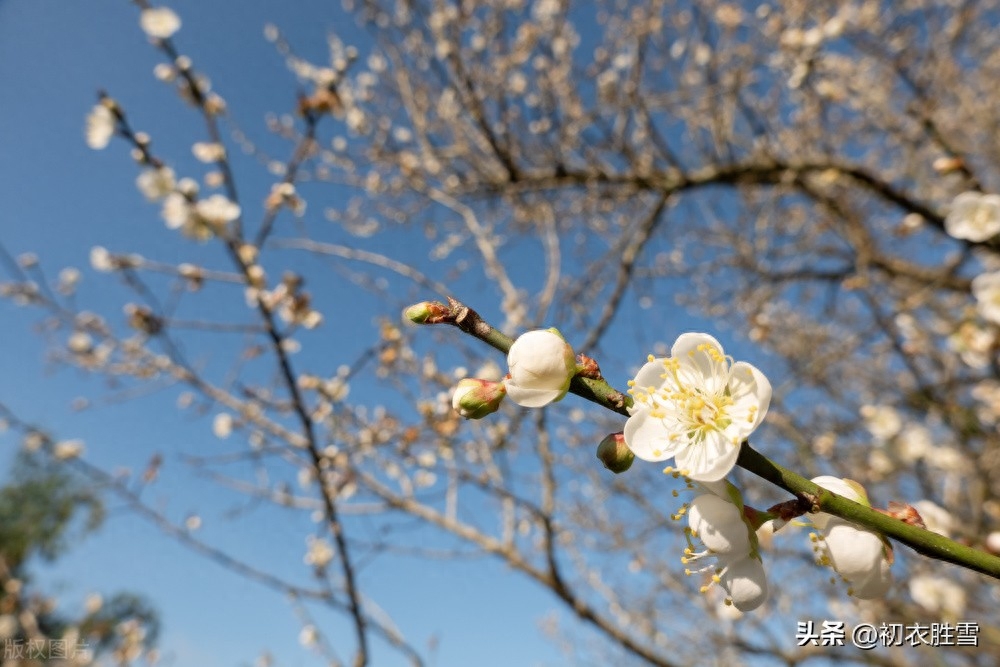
(541, 360)
(528, 397)
(877, 585)
(710, 460)
(698, 369)
(719, 525)
(746, 583)
(647, 437)
(854, 553)
(689, 342)
(749, 388)
(649, 375)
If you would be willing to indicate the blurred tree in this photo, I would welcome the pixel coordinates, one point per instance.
(44, 510)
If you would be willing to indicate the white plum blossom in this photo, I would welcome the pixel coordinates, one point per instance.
(222, 425)
(986, 290)
(320, 552)
(936, 518)
(208, 152)
(217, 210)
(937, 594)
(861, 557)
(100, 127)
(718, 523)
(882, 421)
(974, 217)
(68, 449)
(156, 183)
(914, 443)
(542, 365)
(696, 406)
(159, 22)
(973, 344)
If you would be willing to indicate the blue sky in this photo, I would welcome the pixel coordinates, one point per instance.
(60, 199)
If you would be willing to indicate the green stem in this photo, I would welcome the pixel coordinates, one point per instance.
(817, 498)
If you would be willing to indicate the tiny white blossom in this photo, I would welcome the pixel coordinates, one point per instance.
(156, 183)
(208, 152)
(68, 449)
(100, 127)
(973, 343)
(937, 594)
(696, 406)
(217, 210)
(986, 290)
(222, 425)
(159, 22)
(309, 636)
(176, 210)
(320, 553)
(974, 217)
(914, 443)
(936, 518)
(542, 365)
(882, 421)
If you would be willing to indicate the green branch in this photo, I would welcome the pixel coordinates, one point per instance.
(813, 497)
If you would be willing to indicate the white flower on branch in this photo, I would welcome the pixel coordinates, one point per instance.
(156, 183)
(100, 127)
(542, 365)
(208, 152)
(719, 525)
(222, 425)
(319, 553)
(861, 557)
(696, 406)
(159, 22)
(217, 210)
(68, 449)
(938, 595)
(974, 217)
(101, 260)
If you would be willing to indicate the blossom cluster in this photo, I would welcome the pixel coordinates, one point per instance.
(541, 367)
(697, 406)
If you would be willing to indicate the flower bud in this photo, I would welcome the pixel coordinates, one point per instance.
(542, 365)
(474, 398)
(425, 312)
(615, 454)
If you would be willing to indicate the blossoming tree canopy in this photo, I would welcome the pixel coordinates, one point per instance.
(696, 406)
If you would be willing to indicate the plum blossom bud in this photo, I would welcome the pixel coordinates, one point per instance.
(861, 557)
(474, 398)
(425, 312)
(615, 454)
(159, 22)
(542, 365)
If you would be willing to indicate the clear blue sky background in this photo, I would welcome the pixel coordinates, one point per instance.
(60, 199)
